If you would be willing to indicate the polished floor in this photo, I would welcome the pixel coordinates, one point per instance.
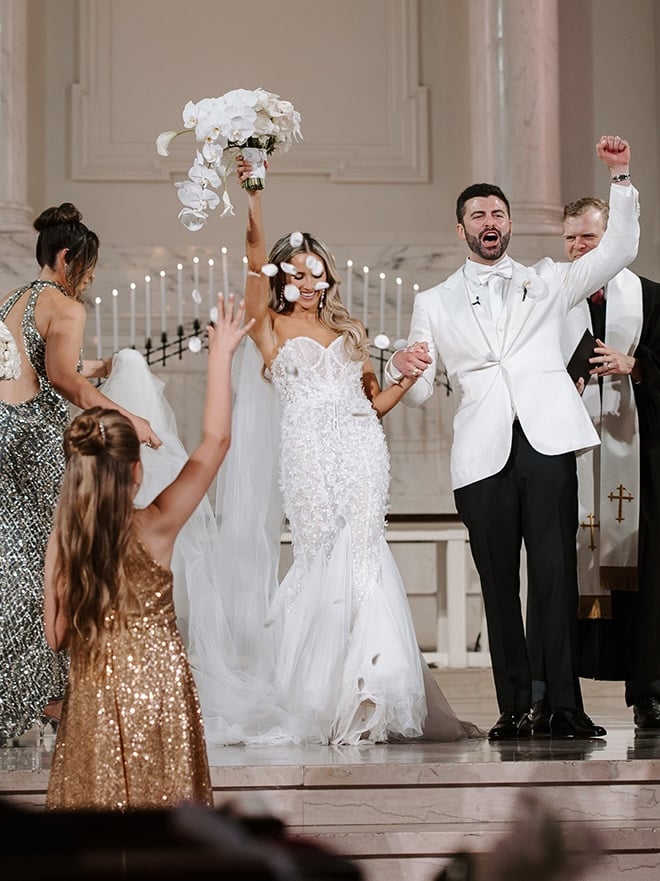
(471, 694)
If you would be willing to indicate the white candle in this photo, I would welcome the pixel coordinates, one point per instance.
(163, 303)
(179, 294)
(382, 303)
(115, 320)
(349, 285)
(211, 283)
(399, 296)
(99, 343)
(133, 287)
(196, 285)
(365, 297)
(245, 271)
(147, 306)
(225, 272)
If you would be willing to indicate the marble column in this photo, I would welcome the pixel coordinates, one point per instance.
(15, 214)
(514, 80)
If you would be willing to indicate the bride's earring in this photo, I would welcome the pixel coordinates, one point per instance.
(321, 302)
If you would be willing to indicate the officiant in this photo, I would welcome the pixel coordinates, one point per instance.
(495, 324)
(619, 481)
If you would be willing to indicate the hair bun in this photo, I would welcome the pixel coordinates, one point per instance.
(64, 213)
(86, 435)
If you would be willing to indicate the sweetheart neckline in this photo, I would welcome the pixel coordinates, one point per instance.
(303, 336)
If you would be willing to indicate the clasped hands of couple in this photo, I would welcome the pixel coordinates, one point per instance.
(413, 360)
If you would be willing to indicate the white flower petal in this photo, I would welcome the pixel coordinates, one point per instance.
(321, 286)
(163, 142)
(291, 293)
(195, 344)
(296, 239)
(270, 269)
(289, 268)
(381, 341)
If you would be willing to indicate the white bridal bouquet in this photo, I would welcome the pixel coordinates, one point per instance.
(254, 122)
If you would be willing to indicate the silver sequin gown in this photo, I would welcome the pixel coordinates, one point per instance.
(348, 665)
(31, 468)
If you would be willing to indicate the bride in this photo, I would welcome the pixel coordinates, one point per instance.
(329, 655)
(346, 665)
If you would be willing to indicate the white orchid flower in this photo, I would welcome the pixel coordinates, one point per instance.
(203, 174)
(192, 220)
(195, 196)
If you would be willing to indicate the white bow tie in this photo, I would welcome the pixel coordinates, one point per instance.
(504, 271)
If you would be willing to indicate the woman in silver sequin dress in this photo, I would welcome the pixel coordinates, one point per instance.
(46, 319)
(347, 668)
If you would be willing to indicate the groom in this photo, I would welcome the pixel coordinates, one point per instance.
(495, 324)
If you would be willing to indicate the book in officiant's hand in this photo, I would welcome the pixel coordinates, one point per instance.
(579, 365)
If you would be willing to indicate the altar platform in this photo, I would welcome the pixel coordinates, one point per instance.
(401, 811)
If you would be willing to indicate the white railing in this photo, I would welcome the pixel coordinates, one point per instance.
(163, 312)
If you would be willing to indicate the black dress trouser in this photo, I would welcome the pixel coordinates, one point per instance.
(532, 499)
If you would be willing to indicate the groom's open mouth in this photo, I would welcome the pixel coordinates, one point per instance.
(490, 237)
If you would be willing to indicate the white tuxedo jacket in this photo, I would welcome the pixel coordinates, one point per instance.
(521, 372)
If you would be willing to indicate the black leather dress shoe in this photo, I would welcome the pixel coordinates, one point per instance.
(511, 726)
(541, 719)
(646, 713)
(574, 723)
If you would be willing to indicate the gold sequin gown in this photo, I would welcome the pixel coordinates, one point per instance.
(31, 468)
(131, 733)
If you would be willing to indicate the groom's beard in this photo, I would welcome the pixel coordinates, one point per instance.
(491, 253)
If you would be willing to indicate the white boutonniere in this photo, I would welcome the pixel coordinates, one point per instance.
(534, 287)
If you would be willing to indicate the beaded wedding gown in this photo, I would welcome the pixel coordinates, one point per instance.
(328, 655)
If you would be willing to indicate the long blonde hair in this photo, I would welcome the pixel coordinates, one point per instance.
(93, 523)
(331, 312)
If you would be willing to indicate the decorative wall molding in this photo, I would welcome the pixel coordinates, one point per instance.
(99, 154)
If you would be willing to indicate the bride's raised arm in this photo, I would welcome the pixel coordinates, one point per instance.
(257, 287)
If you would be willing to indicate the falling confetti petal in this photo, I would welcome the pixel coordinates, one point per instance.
(374, 660)
(291, 293)
(381, 341)
(197, 297)
(321, 286)
(213, 314)
(360, 683)
(289, 268)
(195, 344)
(269, 269)
(296, 239)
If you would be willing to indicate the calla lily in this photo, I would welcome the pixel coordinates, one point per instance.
(163, 142)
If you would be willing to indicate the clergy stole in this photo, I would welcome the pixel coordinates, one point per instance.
(608, 475)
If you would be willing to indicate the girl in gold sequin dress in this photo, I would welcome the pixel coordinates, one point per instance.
(131, 732)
